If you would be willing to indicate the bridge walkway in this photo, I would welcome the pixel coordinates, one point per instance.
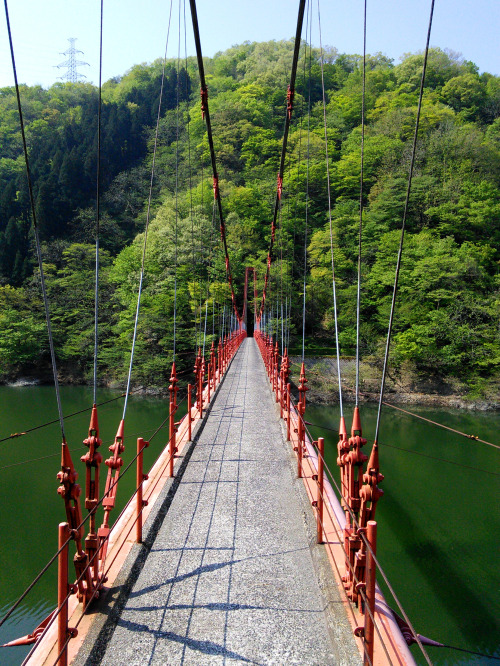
(234, 574)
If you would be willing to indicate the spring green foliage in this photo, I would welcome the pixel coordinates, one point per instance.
(446, 323)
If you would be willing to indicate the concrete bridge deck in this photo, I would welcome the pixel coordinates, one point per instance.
(234, 574)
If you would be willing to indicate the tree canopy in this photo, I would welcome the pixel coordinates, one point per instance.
(446, 322)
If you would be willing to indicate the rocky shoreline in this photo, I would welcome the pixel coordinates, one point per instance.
(322, 383)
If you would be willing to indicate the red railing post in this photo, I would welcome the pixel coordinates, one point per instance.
(140, 478)
(300, 437)
(276, 372)
(209, 380)
(321, 460)
(288, 419)
(62, 593)
(92, 460)
(219, 361)
(371, 536)
(172, 430)
(212, 364)
(189, 407)
(224, 351)
(281, 385)
(201, 377)
(301, 410)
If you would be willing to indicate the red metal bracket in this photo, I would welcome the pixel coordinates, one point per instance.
(204, 101)
(280, 186)
(290, 94)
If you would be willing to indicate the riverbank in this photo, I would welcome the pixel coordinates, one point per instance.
(403, 389)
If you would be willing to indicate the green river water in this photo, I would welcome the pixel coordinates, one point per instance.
(438, 519)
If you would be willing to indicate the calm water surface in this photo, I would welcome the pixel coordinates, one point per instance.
(31, 509)
(438, 519)
(438, 522)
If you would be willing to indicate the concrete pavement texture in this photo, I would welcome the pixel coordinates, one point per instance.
(233, 575)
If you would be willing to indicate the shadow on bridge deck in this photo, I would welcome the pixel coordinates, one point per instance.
(234, 572)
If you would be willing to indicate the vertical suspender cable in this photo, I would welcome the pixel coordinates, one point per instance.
(190, 176)
(304, 290)
(35, 228)
(305, 248)
(177, 177)
(358, 295)
(403, 225)
(334, 288)
(307, 186)
(148, 214)
(97, 211)
(281, 280)
(205, 329)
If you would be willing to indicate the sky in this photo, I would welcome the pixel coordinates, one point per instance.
(136, 32)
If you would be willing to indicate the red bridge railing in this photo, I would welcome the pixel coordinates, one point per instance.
(347, 529)
(99, 557)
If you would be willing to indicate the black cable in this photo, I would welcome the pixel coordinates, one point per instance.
(206, 112)
(35, 228)
(288, 118)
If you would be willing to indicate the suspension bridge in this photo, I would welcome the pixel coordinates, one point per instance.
(238, 544)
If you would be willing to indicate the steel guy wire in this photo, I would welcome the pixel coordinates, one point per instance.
(148, 214)
(35, 228)
(403, 225)
(98, 204)
(334, 288)
(177, 123)
(358, 294)
(190, 175)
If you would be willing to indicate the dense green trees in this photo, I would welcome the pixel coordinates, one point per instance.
(446, 322)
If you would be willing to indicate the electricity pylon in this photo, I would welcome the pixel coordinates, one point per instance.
(72, 63)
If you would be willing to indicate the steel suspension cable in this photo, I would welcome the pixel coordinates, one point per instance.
(329, 194)
(403, 224)
(358, 293)
(206, 113)
(288, 117)
(35, 228)
(148, 216)
(98, 205)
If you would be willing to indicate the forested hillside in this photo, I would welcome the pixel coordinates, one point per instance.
(446, 323)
